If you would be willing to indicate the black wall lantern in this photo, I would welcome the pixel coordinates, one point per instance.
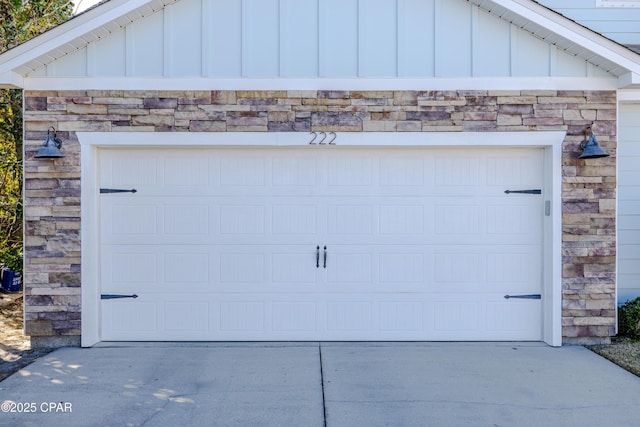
(590, 147)
(51, 146)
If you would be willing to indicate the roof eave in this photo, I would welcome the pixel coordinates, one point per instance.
(629, 81)
(11, 80)
(66, 32)
(568, 30)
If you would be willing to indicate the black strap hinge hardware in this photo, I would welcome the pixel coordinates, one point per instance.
(523, 191)
(117, 296)
(114, 190)
(532, 296)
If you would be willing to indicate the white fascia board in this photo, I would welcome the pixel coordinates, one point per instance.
(66, 32)
(629, 80)
(470, 83)
(11, 80)
(574, 32)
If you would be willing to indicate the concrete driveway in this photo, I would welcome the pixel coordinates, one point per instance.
(311, 384)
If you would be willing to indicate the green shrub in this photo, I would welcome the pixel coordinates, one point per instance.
(629, 319)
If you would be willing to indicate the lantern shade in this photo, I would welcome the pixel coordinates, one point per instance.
(51, 146)
(591, 149)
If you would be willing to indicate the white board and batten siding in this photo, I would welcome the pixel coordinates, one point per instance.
(229, 243)
(628, 277)
(320, 38)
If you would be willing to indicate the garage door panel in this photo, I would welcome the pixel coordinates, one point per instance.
(129, 320)
(457, 268)
(187, 267)
(228, 244)
(300, 219)
(243, 268)
(475, 270)
(349, 170)
(349, 220)
(186, 317)
(124, 221)
(460, 170)
(513, 316)
(242, 316)
(185, 219)
(294, 268)
(242, 219)
(402, 171)
(349, 316)
(458, 219)
(516, 267)
(147, 268)
(300, 317)
(246, 171)
(259, 268)
(401, 316)
(348, 268)
(132, 267)
(402, 219)
(401, 268)
(512, 220)
(295, 171)
(494, 317)
(512, 170)
(456, 316)
(129, 168)
(181, 172)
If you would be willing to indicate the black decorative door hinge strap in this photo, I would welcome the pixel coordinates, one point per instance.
(523, 191)
(531, 296)
(117, 296)
(114, 190)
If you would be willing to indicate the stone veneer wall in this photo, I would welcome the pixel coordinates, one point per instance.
(52, 187)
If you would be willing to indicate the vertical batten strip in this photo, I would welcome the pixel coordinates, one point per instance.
(90, 60)
(474, 39)
(243, 65)
(357, 35)
(514, 49)
(437, 46)
(129, 50)
(168, 33)
(397, 56)
(553, 60)
(279, 42)
(206, 38)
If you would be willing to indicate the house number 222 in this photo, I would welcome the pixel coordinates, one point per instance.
(324, 136)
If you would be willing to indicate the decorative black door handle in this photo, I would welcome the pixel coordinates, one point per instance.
(325, 257)
(318, 257)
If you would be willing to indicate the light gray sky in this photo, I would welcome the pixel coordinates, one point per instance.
(81, 5)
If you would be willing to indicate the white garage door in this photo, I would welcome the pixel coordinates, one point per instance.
(321, 243)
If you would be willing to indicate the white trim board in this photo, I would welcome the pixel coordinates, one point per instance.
(551, 141)
(471, 83)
